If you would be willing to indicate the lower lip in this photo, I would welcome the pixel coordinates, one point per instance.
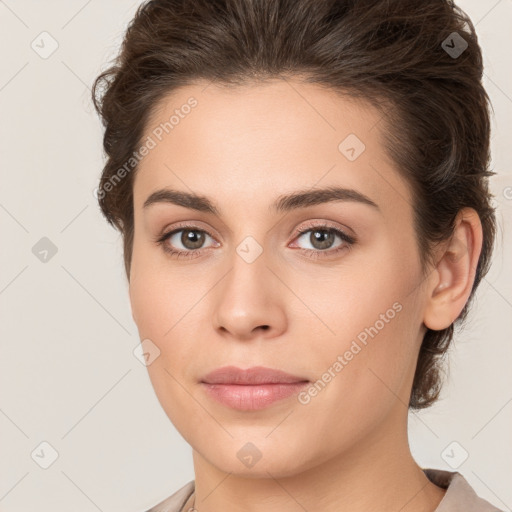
(254, 397)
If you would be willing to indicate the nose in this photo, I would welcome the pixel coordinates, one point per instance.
(250, 301)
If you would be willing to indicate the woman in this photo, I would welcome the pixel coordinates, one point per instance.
(302, 191)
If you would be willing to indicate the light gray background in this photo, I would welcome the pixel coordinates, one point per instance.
(68, 375)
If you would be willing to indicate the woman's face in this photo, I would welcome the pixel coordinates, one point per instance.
(342, 309)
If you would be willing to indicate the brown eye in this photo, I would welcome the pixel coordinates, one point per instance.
(192, 238)
(184, 240)
(322, 239)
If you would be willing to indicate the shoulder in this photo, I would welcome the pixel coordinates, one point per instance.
(175, 502)
(459, 496)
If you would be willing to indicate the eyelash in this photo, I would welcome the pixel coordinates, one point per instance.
(314, 253)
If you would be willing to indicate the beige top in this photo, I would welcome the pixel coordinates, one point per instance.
(459, 496)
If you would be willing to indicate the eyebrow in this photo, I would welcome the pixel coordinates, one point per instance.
(284, 203)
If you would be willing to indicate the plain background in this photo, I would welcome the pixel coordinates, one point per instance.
(68, 375)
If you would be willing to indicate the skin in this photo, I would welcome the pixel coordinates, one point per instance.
(347, 449)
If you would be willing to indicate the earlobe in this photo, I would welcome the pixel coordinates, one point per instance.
(451, 281)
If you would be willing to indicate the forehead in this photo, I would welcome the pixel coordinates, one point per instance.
(255, 142)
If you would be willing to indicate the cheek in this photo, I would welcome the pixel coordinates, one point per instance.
(344, 302)
(167, 308)
(370, 320)
(161, 316)
(362, 370)
(149, 302)
(370, 328)
(158, 295)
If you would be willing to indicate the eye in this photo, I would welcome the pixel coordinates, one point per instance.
(322, 240)
(191, 239)
(187, 241)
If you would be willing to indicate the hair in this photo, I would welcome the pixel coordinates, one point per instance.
(395, 55)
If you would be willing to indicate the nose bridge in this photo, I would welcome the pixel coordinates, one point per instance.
(248, 279)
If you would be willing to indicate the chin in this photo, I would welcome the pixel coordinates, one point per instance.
(254, 457)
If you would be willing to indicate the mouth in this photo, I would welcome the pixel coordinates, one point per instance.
(251, 389)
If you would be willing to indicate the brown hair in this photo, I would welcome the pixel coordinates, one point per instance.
(418, 61)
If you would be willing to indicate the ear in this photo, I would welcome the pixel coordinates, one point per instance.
(451, 281)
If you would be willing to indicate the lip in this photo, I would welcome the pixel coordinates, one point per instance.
(250, 376)
(251, 389)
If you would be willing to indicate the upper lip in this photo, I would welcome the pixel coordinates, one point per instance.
(250, 376)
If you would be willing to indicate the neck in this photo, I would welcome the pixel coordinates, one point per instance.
(379, 473)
